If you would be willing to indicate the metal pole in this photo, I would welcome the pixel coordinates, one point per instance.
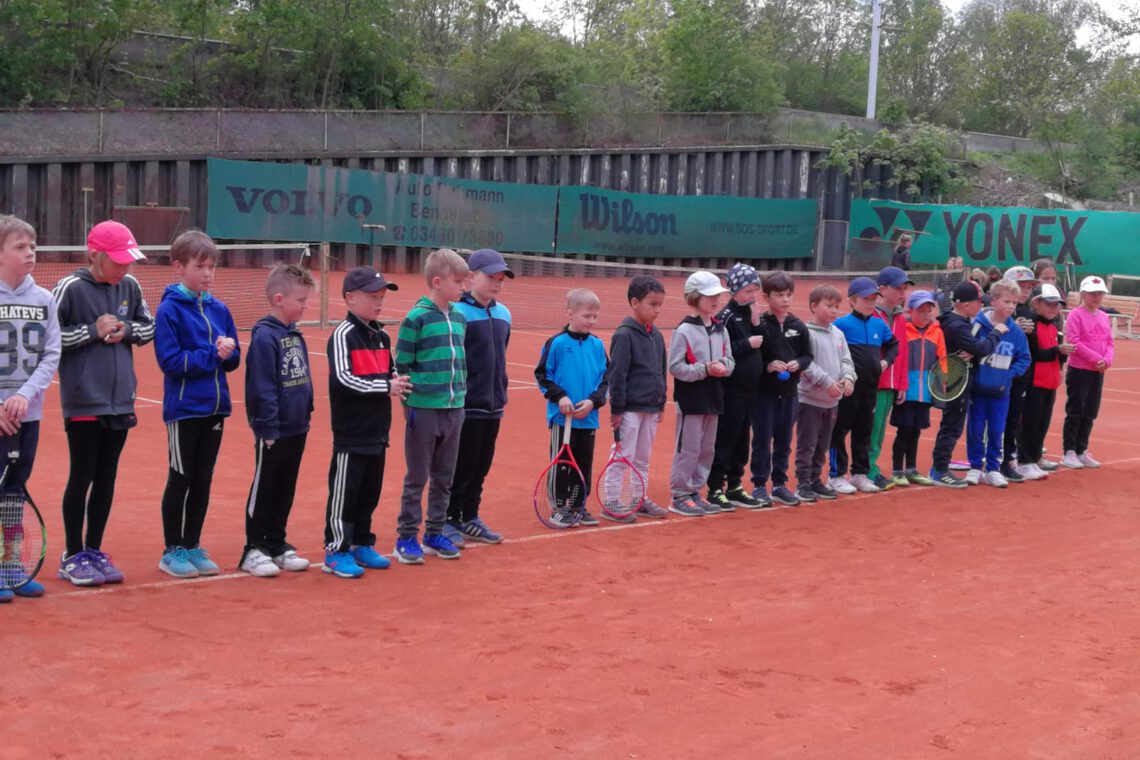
(873, 75)
(324, 254)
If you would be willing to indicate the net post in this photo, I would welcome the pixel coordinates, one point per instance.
(324, 256)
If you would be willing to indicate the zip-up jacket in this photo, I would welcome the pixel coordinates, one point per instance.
(1045, 353)
(1091, 333)
(785, 341)
(485, 343)
(278, 383)
(1009, 359)
(871, 341)
(98, 378)
(831, 362)
(360, 374)
(573, 365)
(924, 347)
(897, 375)
(1023, 311)
(737, 320)
(186, 328)
(32, 353)
(961, 336)
(638, 366)
(693, 345)
(430, 350)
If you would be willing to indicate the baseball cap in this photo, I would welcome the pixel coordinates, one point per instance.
(863, 287)
(705, 283)
(1047, 292)
(741, 276)
(894, 277)
(919, 297)
(367, 280)
(1093, 284)
(115, 240)
(964, 292)
(1019, 274)
(489, 261)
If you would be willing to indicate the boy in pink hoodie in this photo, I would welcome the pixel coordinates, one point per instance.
(1090, 330)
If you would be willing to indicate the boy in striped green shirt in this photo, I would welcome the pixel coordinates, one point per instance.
(429, 351)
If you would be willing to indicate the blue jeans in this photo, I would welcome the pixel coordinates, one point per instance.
(984, 430)
(772, 422)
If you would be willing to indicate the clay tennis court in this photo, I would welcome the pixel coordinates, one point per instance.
(918, 623)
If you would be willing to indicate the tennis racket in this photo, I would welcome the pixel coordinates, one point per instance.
(620, 489)
(948, 378)
(23, 540)
(560, 493)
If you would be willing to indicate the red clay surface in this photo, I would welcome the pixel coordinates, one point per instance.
(919, 623)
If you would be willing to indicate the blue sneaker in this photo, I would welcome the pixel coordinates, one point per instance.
(80, 570)
(342, 565)
(176, 561)
(6, 596)
(368, 557)
(761, 495)
(408, 551)
(30, 589)
(454, 535)
(440, 546)
(202, 562)
(15, 577)
(477, 530)
(102, 563)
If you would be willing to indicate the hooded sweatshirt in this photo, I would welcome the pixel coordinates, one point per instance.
(896, 377)
(278, 383)
(1009, 359)
(485, 341)
(831, 362)
(1045, 351)
(785, 341)
(693, 346)
(33, 343)
(871, 342)
(638, 366)
(430, 351)
(1091, 333)
(745, 378)
(924, 346)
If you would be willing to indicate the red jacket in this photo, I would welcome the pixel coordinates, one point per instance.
(895, 376)
(1046, 356)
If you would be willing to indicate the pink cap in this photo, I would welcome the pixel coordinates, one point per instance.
(115, 240)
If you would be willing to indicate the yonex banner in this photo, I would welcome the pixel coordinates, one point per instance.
(250, 200)
(591, 220)
(1098, 241)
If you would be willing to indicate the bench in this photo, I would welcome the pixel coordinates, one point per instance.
(1127, 308)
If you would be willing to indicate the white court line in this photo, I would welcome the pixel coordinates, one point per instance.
(557, 534)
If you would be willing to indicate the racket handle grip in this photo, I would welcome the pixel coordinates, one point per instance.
(617, 434)
(569, 420)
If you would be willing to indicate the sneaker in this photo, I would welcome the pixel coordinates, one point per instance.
(630, 518)
(684, 505)
(102, 563)
(823, 491)
(719, 499)
(946, 480)
(259, 564)
(1087, 460)
(761, 495)
(1037, 471)
(785, 496)
(438, 545)
(651, 509)
(705, 505)
(477, 530)
(23, 586)
(1047, 465)
(1031, 472)
(899, 479)
(368, 558)
(973, 477)
(742, 498)
(918, 479)
(959, 464)
(863, 484)
(408, 551)
(884, 483)
(81, 571)
(202, 562)
(587, 518)
(563, 520)
(292, 561)
(176, 561)
(995, 479)
(454, 535)
(6, 596)
(1072, 461)
(805, 494)
(1011, 474)
(842, 485)
(342, 565)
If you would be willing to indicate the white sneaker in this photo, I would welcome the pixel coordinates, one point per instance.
(291, 561)
(1072, 461)
(973, 477)
(1031, 472)
(842, 485)
(995, 479)
(863, 484)
(259, 565)
(1087, 460)
(1047, 465)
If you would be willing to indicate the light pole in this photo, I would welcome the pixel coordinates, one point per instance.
(873, 75)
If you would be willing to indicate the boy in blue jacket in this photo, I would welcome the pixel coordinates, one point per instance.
(196, 345)
(278, 405)
(989, 396)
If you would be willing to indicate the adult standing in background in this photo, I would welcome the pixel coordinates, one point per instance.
(901, 256)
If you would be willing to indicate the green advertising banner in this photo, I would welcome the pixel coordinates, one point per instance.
(591, 220)
(1097, 241)
(250, 200)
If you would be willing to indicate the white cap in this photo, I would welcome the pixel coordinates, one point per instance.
(1019, 274)
(1093, 284)
(705, 283)
(1049, 293)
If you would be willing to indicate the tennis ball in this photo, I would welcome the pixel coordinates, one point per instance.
(783, 374)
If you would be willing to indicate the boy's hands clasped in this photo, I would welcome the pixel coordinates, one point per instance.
(225, 346)
(109, 329)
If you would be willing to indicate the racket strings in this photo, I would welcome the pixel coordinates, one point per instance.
(19, 548)
(622, 488)
(564, 492)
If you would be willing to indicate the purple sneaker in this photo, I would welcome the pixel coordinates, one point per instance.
(102, 563)
(80, 570)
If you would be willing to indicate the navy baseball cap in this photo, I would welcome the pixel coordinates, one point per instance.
(489, 261)
(367, 280)
(862, 287)
(894, 277)
(964, 292)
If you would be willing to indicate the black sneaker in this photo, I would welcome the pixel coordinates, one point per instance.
(587, 518)
(804, 493)
(742, 498)
(946, 480)
(1011, 474)
(720, 500)
(883, 482)
(823, 491)
(783, 495)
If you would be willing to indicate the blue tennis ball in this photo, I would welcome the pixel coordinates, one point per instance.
(783, 374)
